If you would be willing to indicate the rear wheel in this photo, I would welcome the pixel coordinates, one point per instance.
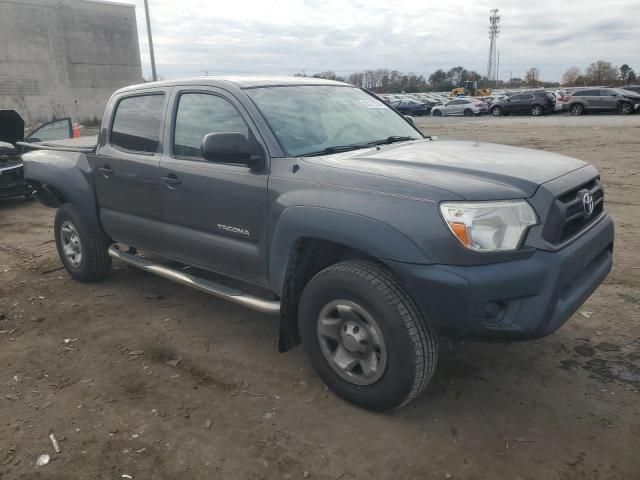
(625, 108)
(576, 109)
(496, 111)
(83, 253)
(365, 336)
(468, 112)
(537, 110)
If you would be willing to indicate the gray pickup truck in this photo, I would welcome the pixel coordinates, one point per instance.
(325, 206)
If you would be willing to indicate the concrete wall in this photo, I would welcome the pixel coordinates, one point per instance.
(65, 57)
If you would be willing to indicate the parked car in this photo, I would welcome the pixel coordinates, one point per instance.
(534, 103)
(12, 183)
(560, 97)
(412, 108)
(368, 240)
(589, 100)
(632, 88)
(461, 106)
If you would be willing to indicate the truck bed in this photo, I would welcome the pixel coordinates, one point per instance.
(86, 144)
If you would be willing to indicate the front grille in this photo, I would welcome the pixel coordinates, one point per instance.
(9, 178)
(567, 216)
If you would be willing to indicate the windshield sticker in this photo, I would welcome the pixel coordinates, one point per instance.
(371, 103)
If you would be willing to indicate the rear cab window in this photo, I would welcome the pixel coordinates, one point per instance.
(137, 122)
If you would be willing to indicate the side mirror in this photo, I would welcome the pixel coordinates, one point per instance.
(409, 119)
(232, 147)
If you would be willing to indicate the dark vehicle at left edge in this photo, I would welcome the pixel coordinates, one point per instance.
(12, 182)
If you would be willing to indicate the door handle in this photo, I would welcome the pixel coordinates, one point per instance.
(106, 171)
(172, 180)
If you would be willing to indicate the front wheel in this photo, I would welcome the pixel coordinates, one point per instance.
(437, 113)
(365, 336)
(83, 253)
(625, 108)
(576, 109)
(537, 110)
(496, 111)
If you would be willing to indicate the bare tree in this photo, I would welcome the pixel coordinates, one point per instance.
(601, 73)
(357, 79)
(457, 75)
(532, 77)
(571, 76)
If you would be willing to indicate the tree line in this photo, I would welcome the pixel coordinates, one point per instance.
(600, 73)
(394, 81)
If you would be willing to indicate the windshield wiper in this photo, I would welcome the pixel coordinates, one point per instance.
(336, 149)
(391, 139)
(356, 146)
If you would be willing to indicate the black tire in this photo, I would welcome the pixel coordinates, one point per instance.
(94, 263)
(496, 111)
(411, 348)
(437, 113)
(625, 108)
(468, 113)
(537, 110)
(576, 109)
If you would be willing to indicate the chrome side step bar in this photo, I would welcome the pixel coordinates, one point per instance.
(207, 286)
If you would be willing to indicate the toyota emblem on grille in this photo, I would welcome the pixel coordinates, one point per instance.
(587, 204)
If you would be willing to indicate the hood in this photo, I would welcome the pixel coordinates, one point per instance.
(470, 170)
(11, 127)
(630, 94)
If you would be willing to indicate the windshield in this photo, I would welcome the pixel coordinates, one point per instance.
(310, 119)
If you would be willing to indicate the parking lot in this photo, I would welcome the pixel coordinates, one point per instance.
(142, 377)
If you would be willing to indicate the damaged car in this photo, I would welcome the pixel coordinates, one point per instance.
(12, 131)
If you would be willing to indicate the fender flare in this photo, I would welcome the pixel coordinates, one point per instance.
(64, 177)
(369, 235)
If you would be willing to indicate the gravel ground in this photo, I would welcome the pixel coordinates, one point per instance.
(142, 377)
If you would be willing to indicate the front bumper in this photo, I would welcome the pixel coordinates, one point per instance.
(516, 300)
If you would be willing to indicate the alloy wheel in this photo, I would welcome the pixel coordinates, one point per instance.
(352, 342)
(71, 245)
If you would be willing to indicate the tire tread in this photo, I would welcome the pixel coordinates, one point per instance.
(423, 339)
(94, 248)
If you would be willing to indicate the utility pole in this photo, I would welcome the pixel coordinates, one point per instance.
(153, 60)
(494, 29)
(498, 69)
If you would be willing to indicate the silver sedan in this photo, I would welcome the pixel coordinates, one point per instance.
(468, 107)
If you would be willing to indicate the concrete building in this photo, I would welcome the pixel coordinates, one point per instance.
(63, 58)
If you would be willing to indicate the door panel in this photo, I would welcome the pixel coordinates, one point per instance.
(126, 173)
(607, 100)
(216, 213)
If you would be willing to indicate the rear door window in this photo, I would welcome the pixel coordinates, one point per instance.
(137, 121)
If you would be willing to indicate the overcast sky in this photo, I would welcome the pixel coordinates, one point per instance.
(285, 37)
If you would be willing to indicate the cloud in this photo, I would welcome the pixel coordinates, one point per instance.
(284, 37)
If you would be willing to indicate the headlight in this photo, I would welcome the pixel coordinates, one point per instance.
(489, 226)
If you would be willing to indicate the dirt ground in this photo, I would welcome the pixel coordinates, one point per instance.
(139, 376)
